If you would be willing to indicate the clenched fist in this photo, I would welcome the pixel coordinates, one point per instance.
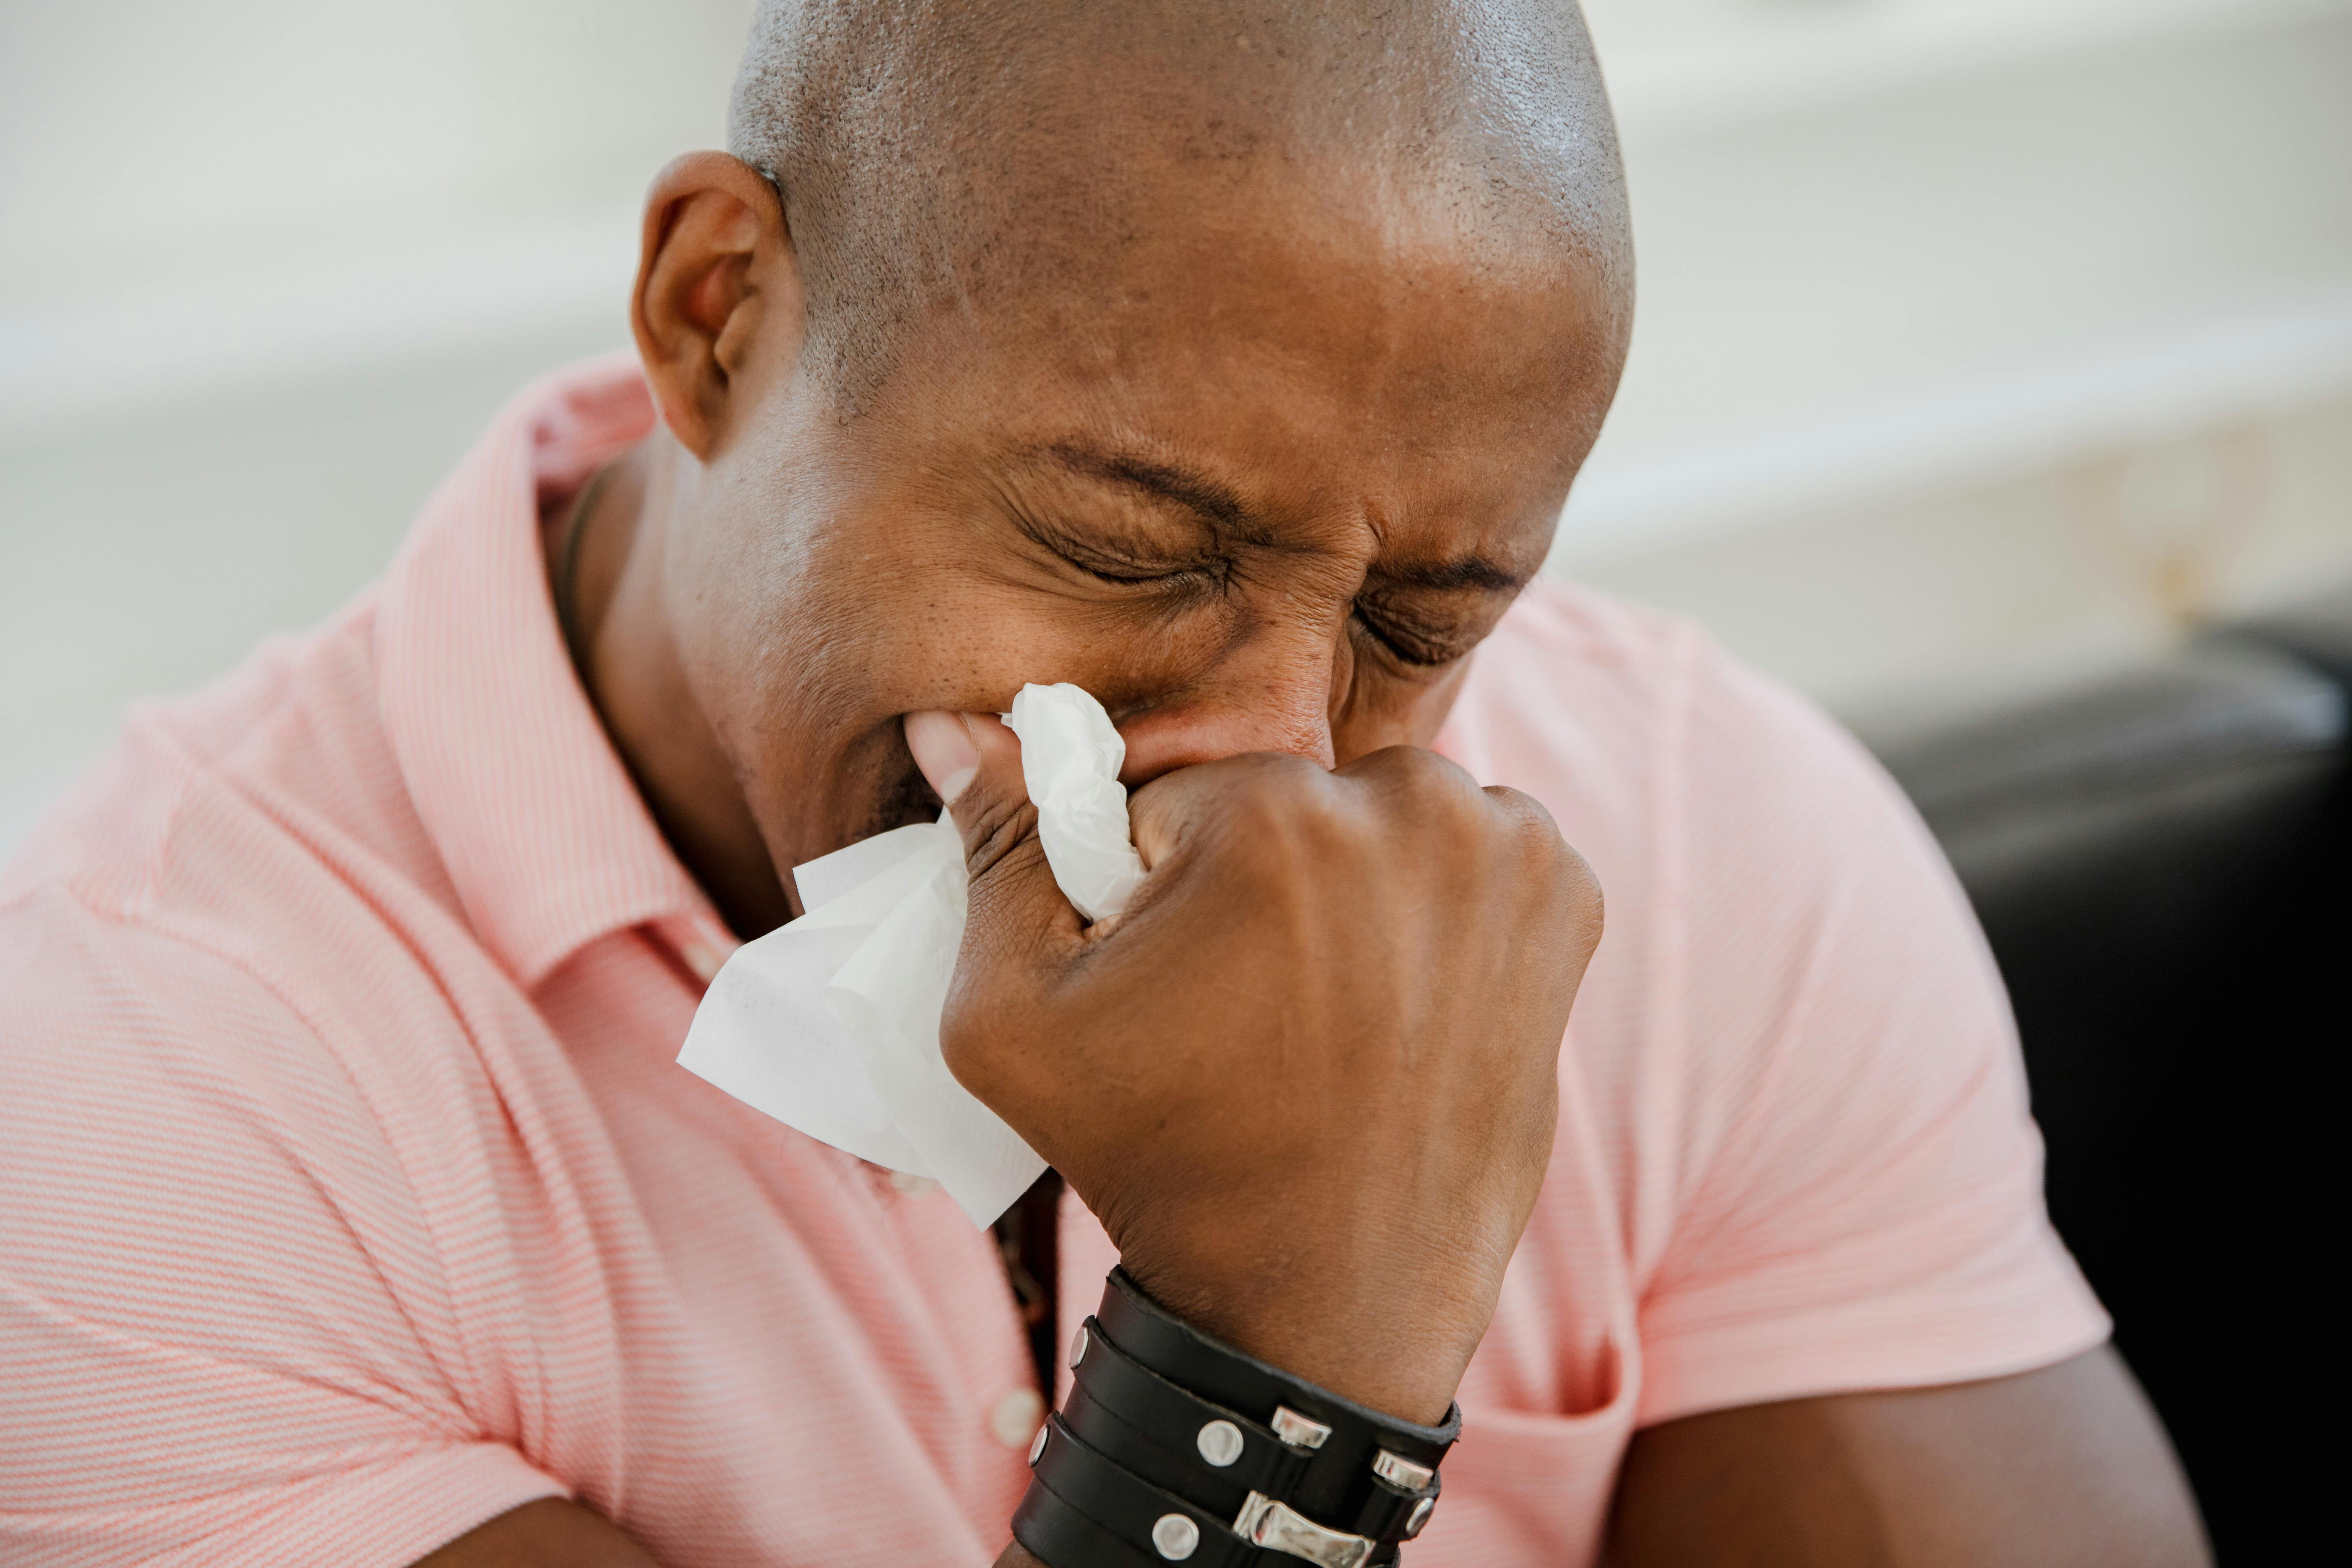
(1307, 1080)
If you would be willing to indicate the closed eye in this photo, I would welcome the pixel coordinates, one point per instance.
(1406, 646)
(1128, 579)
(1106, 562)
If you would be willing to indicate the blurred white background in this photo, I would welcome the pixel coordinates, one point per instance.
(1982, 341)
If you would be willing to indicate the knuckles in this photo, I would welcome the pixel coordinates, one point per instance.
(1558, 890)
(1401, 850)
(998, 827)
(1398, 818)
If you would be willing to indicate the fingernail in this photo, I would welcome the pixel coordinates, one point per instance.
(943, 750)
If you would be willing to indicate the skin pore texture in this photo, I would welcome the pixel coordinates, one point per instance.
(1233, 362)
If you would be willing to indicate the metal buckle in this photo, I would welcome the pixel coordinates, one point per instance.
(1277, 1526)
(1297, 1431)
(1400, 1472)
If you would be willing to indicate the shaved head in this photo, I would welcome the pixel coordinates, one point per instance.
(996, 161)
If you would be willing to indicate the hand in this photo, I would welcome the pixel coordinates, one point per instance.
(1307, 1080)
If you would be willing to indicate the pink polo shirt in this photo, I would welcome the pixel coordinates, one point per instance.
(350, 1194)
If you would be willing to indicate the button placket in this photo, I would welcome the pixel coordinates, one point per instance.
(1013, 1419)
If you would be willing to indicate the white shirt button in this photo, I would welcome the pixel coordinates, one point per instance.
(1015, 1417)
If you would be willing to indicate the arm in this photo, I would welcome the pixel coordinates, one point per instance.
(2061, 1465)
(552, 1533)
(543, 1534)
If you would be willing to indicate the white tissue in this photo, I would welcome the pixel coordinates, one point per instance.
(831, 1023)
(1070, 758)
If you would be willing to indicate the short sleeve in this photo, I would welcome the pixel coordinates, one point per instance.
(215, 1301)
(1858, 1182)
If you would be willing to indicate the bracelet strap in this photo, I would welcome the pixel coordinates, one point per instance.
(1373, 1474)
(1171, 1435)
(1084, 1511)
(1058, 1535)
(1175, 1446)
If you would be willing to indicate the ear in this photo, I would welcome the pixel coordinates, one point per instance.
(718, 292)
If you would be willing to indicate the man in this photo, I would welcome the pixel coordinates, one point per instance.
(1232, 363)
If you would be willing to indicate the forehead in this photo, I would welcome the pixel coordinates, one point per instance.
(1329, 344)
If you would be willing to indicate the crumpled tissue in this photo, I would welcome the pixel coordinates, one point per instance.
(831, 1022)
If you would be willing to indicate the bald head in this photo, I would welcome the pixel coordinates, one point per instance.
(997, 162)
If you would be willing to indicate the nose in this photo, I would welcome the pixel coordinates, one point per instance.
(1261, 700)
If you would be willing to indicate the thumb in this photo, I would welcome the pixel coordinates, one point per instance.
(974, 764)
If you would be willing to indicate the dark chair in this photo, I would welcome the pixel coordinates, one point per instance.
(2159, 859)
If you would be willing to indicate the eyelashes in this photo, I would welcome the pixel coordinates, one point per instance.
(1134, 580)
(1107, 563)
(1406, 647)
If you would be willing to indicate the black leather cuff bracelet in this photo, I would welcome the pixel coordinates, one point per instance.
(1174, 1445)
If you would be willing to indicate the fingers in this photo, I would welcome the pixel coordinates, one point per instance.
(1170, 810)
(1174, 807)
(943, 749)
(974, 764)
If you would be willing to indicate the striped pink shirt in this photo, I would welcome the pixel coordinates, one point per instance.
(350, 1194)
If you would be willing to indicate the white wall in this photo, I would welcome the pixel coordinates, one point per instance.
(1976, 336)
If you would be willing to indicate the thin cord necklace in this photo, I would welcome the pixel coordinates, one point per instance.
(565, 585)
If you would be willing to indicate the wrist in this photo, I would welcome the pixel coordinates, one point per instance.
(1382, 1349)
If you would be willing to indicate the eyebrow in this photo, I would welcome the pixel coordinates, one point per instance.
(1216, 502)
(1468, 572)
(1221, 506)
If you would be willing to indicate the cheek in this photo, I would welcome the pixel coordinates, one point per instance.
(780, 633)
(879, 644)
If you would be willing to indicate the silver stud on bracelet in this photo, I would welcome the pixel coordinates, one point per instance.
(1038, 1444)
(1220, 1443)
(1175, 1537)
(1297, 1431)
(1077, 1347)
(1420, 1517)
(1264, 1521)
(1400, 1472)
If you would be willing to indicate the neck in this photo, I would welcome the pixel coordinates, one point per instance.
(606, 565)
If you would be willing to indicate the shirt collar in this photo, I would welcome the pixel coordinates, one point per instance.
(543, 833)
